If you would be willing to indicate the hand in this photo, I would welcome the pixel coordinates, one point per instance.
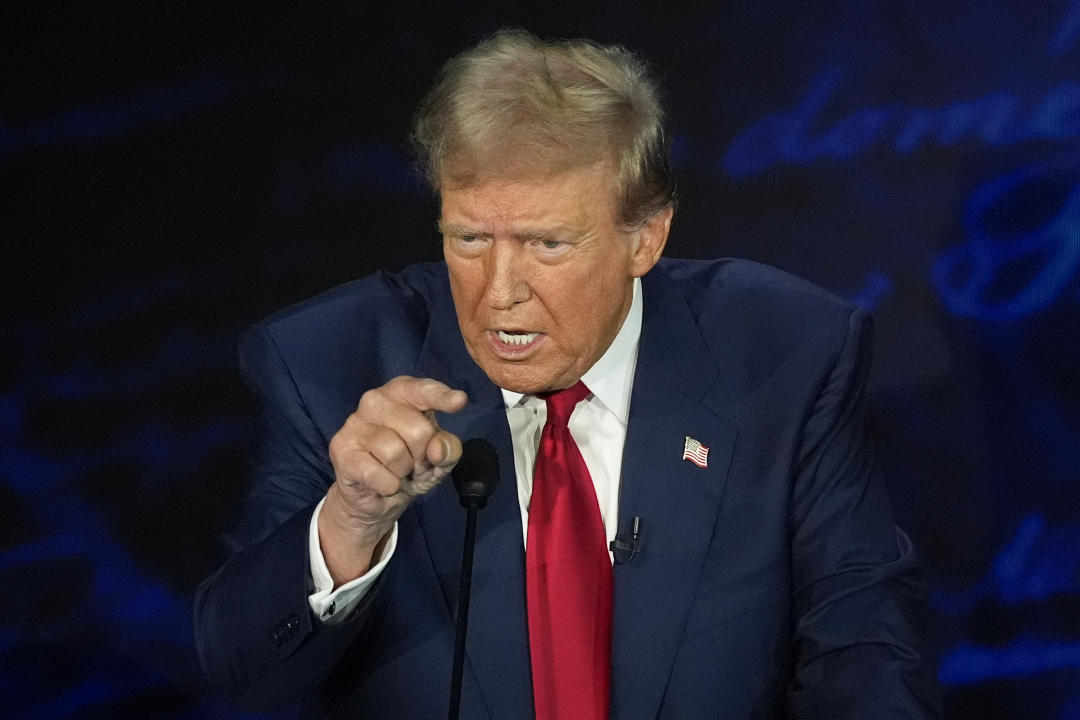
(387, 453)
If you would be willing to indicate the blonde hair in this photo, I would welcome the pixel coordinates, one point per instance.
(515, 104)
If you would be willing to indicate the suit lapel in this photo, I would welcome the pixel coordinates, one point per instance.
(676, 500)
(497, 647)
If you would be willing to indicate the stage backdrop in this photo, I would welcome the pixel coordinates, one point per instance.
(171, 172)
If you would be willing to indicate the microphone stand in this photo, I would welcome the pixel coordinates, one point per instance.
(461, 626)
(475, 478)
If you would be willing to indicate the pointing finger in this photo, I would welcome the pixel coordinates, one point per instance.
(427, 394)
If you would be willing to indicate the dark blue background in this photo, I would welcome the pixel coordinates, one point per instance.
(169, 173)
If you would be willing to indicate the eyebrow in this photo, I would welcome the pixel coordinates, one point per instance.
(446, 228)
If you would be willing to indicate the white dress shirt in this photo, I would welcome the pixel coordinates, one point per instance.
(598, 426)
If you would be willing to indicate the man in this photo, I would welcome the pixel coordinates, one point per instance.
(708, 416)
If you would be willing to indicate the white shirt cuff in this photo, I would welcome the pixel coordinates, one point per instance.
(329, 605)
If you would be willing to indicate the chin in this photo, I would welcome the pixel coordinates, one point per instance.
(512, 381)
(518, 378)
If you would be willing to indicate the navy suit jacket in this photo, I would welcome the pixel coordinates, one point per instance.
(772, 583)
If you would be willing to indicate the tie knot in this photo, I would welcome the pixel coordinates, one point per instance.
(561, 403)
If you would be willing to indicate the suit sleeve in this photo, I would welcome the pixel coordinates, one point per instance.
(857, 590)
(255, 635)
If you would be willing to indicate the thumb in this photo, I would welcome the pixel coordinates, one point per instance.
(444, 449)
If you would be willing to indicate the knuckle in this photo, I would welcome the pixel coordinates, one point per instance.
(385, 445)
(335, 449)
(424, 391)
(428, 384)
(401, 383)
(370, 400)
(341, 446)
(417, 434)
(352, 436)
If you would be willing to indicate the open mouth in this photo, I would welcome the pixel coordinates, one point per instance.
(517, 338)
(514, 343)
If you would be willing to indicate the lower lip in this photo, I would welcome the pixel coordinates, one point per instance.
(513, 352)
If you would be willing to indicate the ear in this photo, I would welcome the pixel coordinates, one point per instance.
(650, 241)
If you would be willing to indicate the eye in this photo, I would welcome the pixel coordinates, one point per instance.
(548, 247)
(468, 245)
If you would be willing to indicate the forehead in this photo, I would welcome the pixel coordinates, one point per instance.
(571, 196)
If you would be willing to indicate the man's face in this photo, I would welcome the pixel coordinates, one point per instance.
(541, 273)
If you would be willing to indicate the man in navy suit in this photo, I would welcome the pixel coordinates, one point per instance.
(722, 431)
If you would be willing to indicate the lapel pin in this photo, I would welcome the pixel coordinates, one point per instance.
(695, 452)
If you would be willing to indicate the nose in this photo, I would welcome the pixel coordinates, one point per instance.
(507, 284)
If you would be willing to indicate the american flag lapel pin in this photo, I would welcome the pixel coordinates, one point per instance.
(695, 452)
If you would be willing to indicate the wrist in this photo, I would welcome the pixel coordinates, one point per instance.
(349, 545)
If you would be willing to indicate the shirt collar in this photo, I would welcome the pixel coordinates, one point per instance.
(611, 378)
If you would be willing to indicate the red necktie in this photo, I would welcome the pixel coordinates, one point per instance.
(568, 576)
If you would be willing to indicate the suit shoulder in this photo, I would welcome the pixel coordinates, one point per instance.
(410, 292)
(756, 320)
(360, 333)
(383, 302)
(746, 281)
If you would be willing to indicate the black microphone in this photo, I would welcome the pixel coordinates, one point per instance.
(624, 551)
(477, 473)
(475, 478)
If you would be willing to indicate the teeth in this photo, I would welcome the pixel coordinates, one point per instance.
(517, 339)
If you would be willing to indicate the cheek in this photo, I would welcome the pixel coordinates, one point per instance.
(577, 305)
(590, 306)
